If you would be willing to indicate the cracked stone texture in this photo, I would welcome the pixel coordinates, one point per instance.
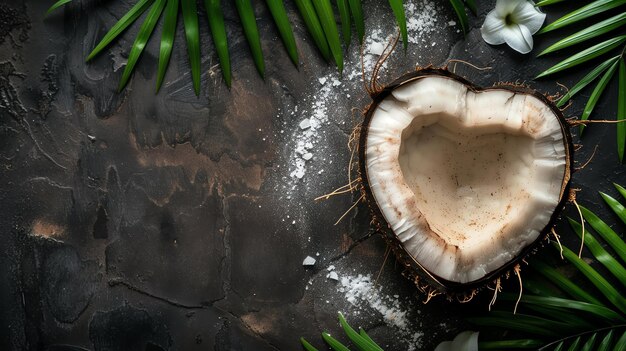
(135, 221)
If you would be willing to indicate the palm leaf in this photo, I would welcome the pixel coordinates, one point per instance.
(192, 34)
(145, 31)
(360, 342)
(218, 32)
(129, 18)
(610, 236)
(595, 95)
(56, 5)
(306, 345)
(585, 55)
(600, 253)
(327, 18)
(606, 342)
(618, 208)
(548, 2)
(571, 288)
(398, 10)
(620, 189)
(525, 323)
(334, 343)
(621, 343)
(558, 315)
(277, 9)
(574, 345)
(367, 337)
(167, 40)
(588, 346)
(471, 4)
(621, 111)
(590, 77)
(346, 24)
(610, 292)
(599, 311)
(312, 22)
(318, 17)
(593, 31)
(587, 339)
(582, 13)
(537, 286)
(251, 31)
(459, 9)
(359, 22)
(510, 344)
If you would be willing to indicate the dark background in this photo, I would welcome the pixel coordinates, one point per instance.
(135, 221)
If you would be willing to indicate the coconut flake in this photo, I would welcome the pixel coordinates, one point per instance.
(376, 48)
(332, 275)
(308, 261)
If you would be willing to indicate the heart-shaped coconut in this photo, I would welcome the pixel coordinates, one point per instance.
(463, 181)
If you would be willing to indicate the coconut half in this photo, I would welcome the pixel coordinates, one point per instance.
(462, 180)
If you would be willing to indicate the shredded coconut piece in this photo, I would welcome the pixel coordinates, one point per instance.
(308, 261)
(332, 275)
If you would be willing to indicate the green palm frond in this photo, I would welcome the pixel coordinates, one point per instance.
(56, 5)
(612, 50)
(324, 12)
(359, 21)
(318, 16)
(346, 23)
(568, 316)
(277, 9)
(251, 31)
(192, 33)
(360, 340)
(313, 25)
(118, 28)
(218, 32)
(398, 11)
(459, 9)
(167, 40)
(145, 31)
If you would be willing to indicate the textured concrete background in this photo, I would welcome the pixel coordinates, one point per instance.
(135, 221)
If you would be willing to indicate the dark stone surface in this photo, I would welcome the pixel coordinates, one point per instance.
(135, 221)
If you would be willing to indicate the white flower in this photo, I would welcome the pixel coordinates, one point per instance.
(465, 341)
(513, 22)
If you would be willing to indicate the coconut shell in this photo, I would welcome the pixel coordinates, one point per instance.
(426, 281)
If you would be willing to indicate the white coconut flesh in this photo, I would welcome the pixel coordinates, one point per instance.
(466, 180)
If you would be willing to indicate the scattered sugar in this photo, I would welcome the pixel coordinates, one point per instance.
(421, 20)
(361, 291)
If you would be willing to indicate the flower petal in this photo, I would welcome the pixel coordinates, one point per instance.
(518, 37)
(444, 346)
(528, 15)
(464, 341)
(506, 7)
(491, 30)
